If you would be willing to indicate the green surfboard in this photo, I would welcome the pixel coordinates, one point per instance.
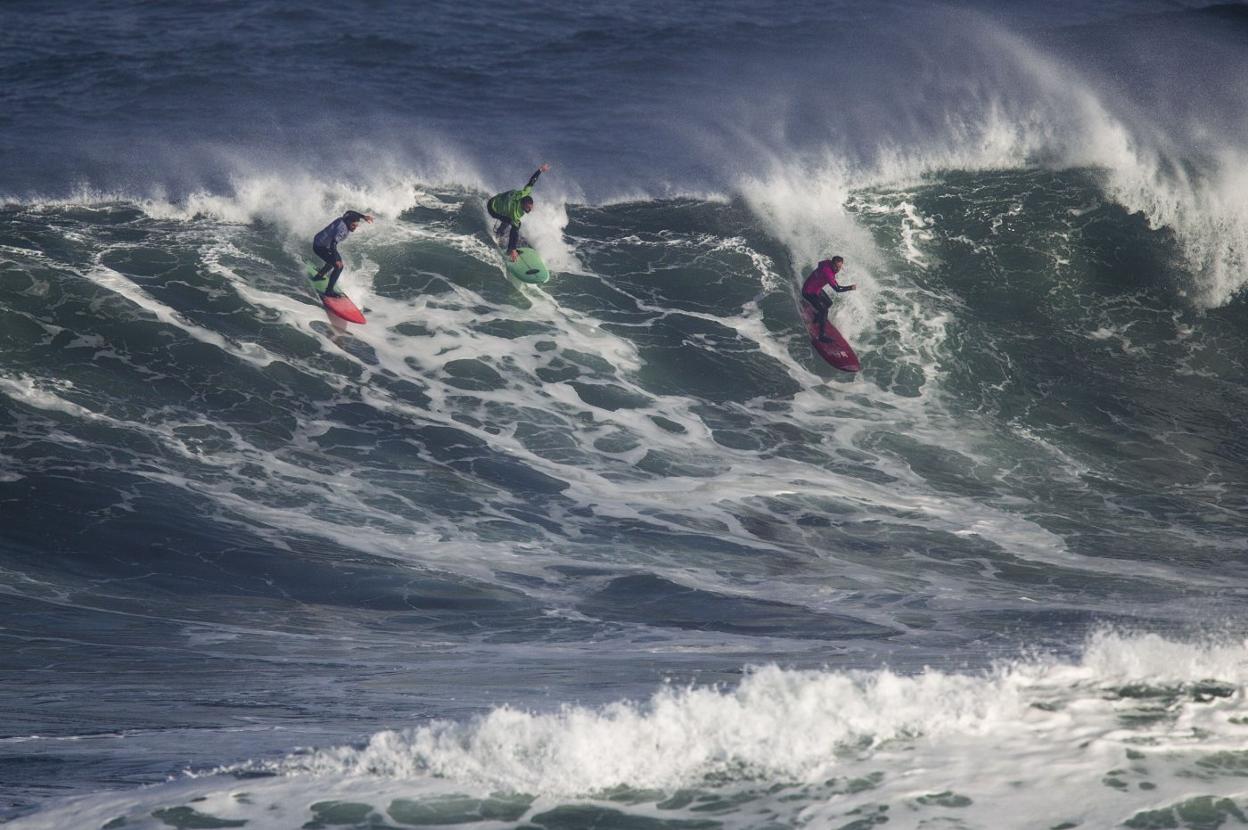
(528, 266)
(320, 285)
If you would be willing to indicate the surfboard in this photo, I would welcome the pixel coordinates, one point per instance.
(835, 350)
(340, 306)
(528, 266)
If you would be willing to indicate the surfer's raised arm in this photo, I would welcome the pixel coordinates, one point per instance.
(533, 178)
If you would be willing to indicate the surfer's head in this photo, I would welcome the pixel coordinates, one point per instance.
(353, 217)
(526, 204)
(834, 263)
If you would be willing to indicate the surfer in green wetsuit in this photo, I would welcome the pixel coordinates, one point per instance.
(509, 208)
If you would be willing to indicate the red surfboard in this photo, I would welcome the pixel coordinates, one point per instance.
(341, 306)
(835, 349)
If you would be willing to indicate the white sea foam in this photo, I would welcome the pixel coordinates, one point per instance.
(790, 725)
(30, 391)
(1137, 723)
(544, 227)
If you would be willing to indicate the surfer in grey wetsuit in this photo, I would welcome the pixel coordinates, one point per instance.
(814, 290)
(509, 208)
(325, 244)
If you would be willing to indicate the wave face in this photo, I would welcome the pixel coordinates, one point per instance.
(621, 551)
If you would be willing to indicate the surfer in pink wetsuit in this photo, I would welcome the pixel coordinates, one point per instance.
(815, 290)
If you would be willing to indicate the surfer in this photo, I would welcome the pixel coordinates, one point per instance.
(326, 242)
(815, 290)
(509, 208)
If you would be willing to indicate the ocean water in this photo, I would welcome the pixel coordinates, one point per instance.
(621, 551)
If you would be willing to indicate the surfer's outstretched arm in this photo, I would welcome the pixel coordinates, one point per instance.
(533, 178)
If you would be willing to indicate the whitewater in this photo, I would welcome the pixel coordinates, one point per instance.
(621, 551)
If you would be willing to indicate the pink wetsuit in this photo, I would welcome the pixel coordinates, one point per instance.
(821, 276)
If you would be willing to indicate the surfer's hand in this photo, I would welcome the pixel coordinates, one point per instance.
(338, 264)
(368, 217)
(544, 168)
(513, 253)
(851, 287)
